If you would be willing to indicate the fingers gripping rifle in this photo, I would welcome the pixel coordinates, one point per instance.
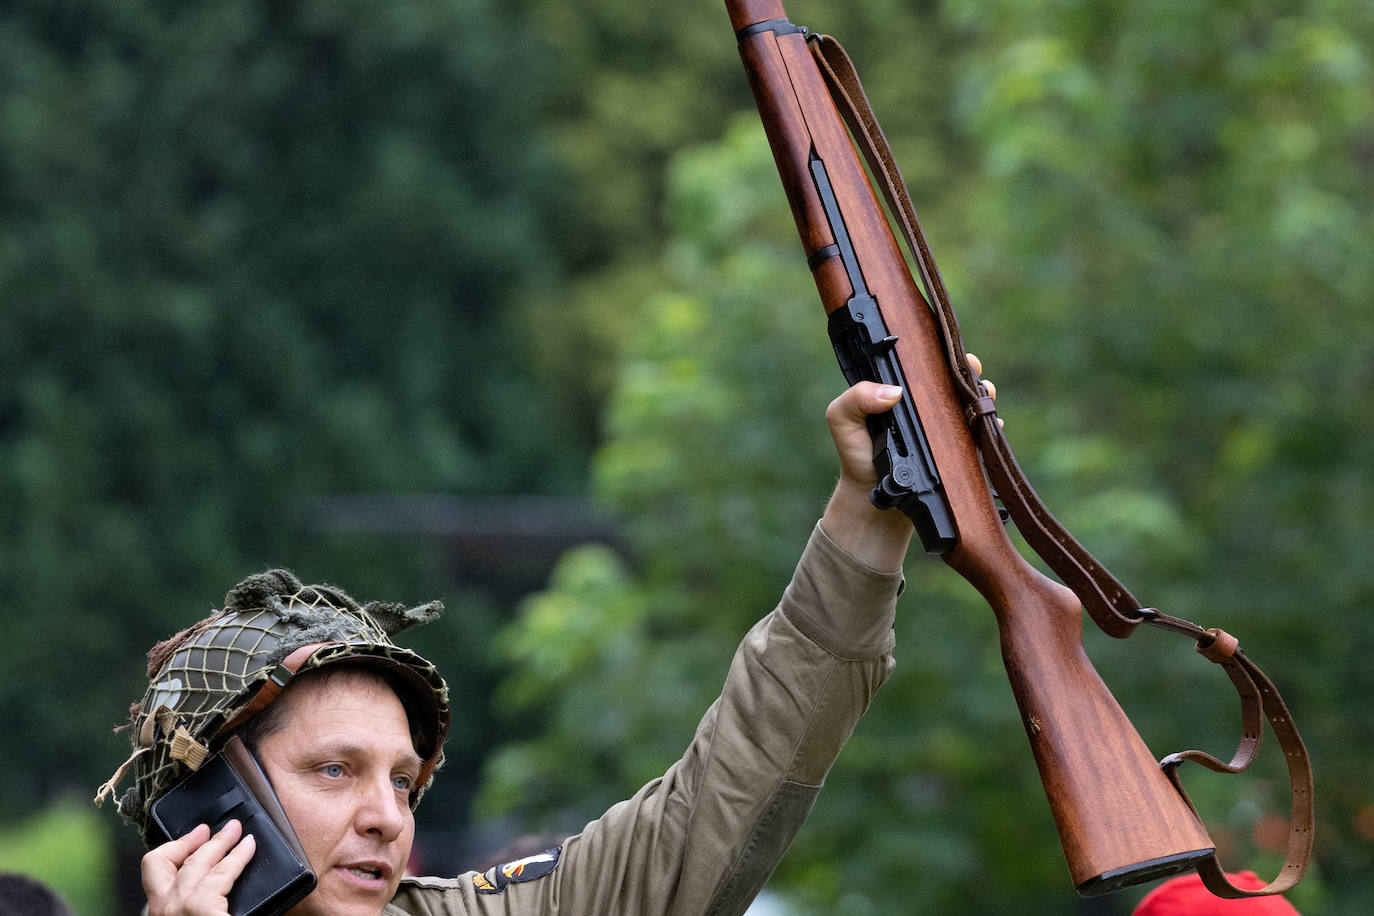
(1123, 819)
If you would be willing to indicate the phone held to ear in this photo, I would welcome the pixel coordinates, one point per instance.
(230, 785)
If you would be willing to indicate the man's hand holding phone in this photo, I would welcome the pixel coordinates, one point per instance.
(193, 874)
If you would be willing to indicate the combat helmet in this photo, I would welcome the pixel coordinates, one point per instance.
(212, 678)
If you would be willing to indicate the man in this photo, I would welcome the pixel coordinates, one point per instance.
(349, 729)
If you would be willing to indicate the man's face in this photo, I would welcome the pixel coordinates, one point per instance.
(343, 766)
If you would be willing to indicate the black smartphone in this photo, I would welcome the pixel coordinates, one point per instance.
(230, 785)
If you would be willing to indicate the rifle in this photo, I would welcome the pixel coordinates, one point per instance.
(1123, 819)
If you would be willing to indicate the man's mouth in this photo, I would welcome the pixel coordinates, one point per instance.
(367, 873)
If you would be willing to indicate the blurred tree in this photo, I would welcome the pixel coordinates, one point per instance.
(250, 253)
(688, 500)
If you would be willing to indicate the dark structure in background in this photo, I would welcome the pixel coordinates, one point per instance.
(504, 544)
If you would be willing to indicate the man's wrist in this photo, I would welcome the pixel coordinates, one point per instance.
(878, 538)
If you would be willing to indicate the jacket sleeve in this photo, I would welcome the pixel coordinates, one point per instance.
(704, 837)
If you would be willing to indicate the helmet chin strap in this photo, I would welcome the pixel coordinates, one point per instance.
(271, 689)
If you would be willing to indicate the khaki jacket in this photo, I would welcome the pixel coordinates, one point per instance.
(704, 837)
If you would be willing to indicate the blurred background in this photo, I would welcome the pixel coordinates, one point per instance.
(500, 303)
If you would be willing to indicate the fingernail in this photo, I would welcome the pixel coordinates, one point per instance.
(889, 392)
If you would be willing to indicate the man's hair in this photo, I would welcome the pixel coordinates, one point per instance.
(273, 719)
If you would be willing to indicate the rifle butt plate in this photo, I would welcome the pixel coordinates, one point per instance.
(1142, 872)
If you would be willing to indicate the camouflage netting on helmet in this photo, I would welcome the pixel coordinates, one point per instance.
(202, 678)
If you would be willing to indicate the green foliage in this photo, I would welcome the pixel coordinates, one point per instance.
(600, 632)
(250, 254)
(68, 848)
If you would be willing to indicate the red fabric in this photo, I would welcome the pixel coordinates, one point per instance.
(1185, 896)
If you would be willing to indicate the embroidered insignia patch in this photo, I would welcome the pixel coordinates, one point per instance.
(495, 880)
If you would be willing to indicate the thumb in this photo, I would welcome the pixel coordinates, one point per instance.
(846, 417)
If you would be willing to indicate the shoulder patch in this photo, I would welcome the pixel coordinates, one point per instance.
(495, 880)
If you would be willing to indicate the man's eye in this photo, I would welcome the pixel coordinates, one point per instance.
(402, 783)
(332, 770)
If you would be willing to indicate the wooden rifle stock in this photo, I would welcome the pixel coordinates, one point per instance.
(1121, 821)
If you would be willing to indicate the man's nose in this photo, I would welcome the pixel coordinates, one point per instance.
(381, 811)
